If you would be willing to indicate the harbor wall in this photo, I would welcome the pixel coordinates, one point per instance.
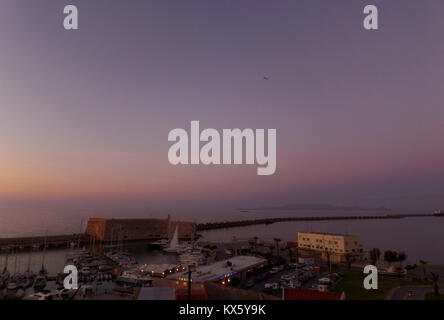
(39, 241)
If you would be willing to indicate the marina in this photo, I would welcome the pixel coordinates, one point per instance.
(121, 267)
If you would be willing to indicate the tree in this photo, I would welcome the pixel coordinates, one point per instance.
(328, 260)
(348, 260)
(271, 247)
(390, 256)
(435, 279)
(255, 239)
(401, 257)
(424, 268)
(374, 254)
(290, 254)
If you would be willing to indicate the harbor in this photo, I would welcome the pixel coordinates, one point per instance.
(117, 265)
(119, 232)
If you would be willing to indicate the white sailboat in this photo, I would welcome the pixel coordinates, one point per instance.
(174, 243)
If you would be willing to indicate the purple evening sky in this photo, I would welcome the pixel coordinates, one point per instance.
(85, 115)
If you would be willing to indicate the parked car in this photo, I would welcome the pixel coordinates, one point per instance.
(275, 270)
(272, 286)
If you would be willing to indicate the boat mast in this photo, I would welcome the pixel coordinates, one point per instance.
(44, 252)
(80, 231)
(15, 261)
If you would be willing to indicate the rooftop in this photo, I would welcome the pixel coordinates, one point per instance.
(156, 293)
(221, 269)
(329, 234)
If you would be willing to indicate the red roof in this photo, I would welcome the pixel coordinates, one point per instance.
(292, 244)
(196, 294)
(305, 294)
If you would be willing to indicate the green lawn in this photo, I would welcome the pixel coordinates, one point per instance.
(432, 296)
(352, 284)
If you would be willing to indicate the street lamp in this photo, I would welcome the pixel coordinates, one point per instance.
(189, 281)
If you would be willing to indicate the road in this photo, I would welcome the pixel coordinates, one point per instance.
(419, 292)
(277, 277)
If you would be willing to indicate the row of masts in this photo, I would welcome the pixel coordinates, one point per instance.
(17, 261)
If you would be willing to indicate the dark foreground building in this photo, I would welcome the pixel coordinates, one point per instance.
(111, 230)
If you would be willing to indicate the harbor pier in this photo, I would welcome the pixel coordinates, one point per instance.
(27, 243)
(250, 222)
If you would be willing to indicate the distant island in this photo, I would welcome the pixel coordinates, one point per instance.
(314, 207)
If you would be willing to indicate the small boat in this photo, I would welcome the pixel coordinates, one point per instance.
(158, 245)
(11, 288)
(39, 283)
(2, 284)
(5, 274)
(85, 271)
(38, 296)
(174, 246)
(43, 272)
(439, 213)
(134, 278)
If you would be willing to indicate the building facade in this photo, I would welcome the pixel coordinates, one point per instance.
(337, 246)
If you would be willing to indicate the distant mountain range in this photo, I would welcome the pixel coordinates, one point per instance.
(315, 207)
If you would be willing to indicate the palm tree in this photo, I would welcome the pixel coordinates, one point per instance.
(255, 239)
(424, 268)
(348, 260)
(251, 243)
(390, 256)
(277, 241)
(290, 254)
(401, 257)
(374, 254)
(271, 247)
(435, 279)
(327, 253)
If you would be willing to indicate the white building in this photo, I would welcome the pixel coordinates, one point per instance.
(335, 245)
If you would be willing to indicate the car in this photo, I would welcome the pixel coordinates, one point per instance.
(275, 270)
(286, 277)
(272, 286)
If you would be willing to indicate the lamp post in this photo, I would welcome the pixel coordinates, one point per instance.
(189, 281)
(327, 252)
